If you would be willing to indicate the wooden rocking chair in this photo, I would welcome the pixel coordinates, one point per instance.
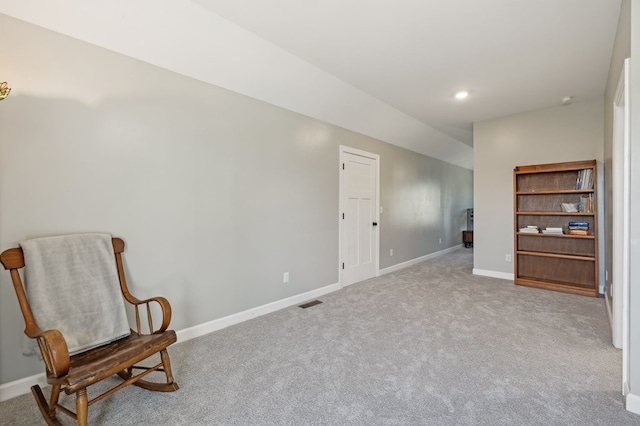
(74, 373)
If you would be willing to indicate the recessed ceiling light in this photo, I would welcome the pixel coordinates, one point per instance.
(462, 94)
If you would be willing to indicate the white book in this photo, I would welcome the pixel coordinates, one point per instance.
(551, 231)
(529, 230)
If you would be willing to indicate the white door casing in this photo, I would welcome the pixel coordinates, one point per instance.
(618, 293)
(359, 201)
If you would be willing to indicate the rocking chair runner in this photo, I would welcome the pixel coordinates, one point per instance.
(74, 373)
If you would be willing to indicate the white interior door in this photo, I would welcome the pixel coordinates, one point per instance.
(359, 182)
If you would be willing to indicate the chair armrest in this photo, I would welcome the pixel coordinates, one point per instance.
(164, 306)
(54, 350)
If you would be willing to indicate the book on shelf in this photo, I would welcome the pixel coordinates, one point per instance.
(585, 179)
(586, 204)
(579, 226)
(578, 232)
(550, 230)
(529, 230)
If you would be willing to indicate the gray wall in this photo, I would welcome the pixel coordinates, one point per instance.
(621, 51)
(558, 134)
(216, 194)
(634, 310)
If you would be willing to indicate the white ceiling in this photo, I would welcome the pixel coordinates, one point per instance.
(512, 55)
(387, 69)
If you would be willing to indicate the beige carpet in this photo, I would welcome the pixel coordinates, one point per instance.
(428, 345)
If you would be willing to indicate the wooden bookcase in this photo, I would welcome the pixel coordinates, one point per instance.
(560, 262)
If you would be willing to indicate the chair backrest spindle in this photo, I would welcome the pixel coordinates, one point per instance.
(138, 320)
(149, 318)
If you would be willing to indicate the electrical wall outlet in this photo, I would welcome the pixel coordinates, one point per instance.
(391, 252)
(285, 277)
(439, 240)
(507, 257)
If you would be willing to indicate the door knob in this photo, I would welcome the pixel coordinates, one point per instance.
(375, 223)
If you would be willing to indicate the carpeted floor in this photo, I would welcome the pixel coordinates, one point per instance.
(429, 345)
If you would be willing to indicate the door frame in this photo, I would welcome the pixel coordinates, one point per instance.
(341, 207)
(621, 183)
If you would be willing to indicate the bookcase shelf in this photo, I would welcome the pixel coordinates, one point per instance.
(559, 262)
(546, 192)
(526, 213)
(528, 234)
(559, 256)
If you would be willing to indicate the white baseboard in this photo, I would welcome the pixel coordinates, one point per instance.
(615, 340)
(609, 311)
(220, 323)
(493, 274)
(633, 403)
(22, 386)
(417, 260)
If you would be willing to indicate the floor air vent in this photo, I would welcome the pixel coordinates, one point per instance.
(310, 304)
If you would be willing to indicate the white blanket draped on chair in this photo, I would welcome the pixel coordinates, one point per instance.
(72, 284)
